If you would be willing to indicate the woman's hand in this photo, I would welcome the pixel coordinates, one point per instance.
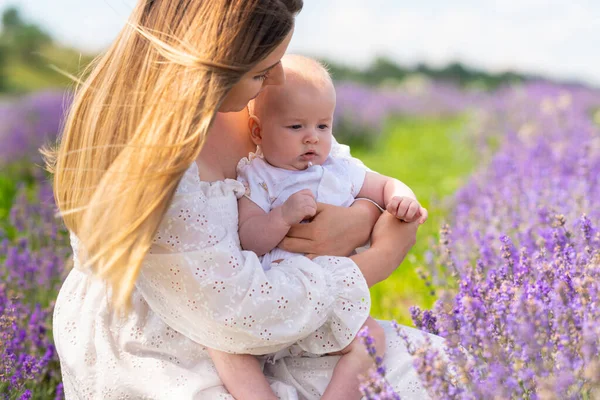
(334, 231)
(394, 237)
(390, 243)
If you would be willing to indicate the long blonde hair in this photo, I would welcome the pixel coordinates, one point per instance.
(140, 118)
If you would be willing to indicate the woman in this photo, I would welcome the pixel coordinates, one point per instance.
(144, 181)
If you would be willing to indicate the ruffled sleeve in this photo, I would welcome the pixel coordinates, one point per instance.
(199, 281)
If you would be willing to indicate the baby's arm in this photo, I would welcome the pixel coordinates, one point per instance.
(393, 195)
(261, 232)
(241, 375)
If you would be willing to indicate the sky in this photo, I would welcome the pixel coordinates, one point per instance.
(556, 38)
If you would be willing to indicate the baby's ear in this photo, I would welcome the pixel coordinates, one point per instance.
(255, 129)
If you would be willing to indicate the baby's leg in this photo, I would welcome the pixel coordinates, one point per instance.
(355, 361)
(242, 376)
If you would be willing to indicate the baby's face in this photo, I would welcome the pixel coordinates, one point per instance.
(296, 132)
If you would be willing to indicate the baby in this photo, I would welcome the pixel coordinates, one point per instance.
(291, 171)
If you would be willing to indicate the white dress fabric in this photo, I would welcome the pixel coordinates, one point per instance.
(197, 288)
(338, 181)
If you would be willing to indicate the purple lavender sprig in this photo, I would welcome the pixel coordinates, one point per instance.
(375, 386)
(33, 263)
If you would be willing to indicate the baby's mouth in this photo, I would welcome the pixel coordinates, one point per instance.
(309, 155)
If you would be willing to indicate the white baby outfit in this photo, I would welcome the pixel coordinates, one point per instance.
(337, 181)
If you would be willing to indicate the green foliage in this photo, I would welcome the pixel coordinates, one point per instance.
(23, 39)
(3, 61)
(11, 177)
(24, 77)
(8, 189)
(383, 70)
(28, 54)
(29, 41)
(11, 20)
(433, 157)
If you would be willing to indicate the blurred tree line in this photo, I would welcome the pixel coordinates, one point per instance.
(384, 70)
(27, 54)
(20, 40)
(25, 51)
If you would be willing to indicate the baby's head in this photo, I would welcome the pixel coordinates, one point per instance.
(292, 122)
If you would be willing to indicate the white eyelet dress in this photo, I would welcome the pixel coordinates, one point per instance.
(198, 288)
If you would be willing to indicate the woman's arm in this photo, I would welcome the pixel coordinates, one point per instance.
(391, 241)
(334, 230)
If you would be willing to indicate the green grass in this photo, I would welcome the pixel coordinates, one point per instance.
(25, 76)
(434, 158)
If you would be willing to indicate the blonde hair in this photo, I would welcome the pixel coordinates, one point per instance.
(140, 118)
(297, 68)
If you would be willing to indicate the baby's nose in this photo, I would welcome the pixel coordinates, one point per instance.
(311, 137)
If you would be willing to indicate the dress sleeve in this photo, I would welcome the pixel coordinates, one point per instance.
(204, 286)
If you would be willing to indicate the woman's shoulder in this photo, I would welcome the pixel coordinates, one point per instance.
(191, 184)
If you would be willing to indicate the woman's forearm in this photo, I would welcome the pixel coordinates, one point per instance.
(377, 264)
(370, 210)
(370, 264)
(334, 231)
(390, 243)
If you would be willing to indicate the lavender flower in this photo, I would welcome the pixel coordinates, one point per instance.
(525, 254)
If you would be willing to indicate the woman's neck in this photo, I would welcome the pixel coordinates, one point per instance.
(227, 141)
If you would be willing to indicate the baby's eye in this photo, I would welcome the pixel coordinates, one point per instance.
(295, 127)
(323, 126)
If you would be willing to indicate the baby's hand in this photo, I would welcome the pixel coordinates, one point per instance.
(407, 209)
(299, 206)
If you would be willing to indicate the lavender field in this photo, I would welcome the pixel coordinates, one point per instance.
(510, 259)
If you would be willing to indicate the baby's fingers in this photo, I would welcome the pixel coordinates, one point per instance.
(392, 206)
(403, 208)
(424, 214)
(307, 192)
(310, 210)
(412, 210)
